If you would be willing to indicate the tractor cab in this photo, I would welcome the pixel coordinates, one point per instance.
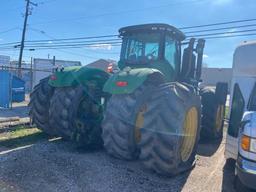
(152, 46)
(159, 46)
(155, 49)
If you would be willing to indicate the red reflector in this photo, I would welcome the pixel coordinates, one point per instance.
(121, 83)
(110, 68)
(53, 77)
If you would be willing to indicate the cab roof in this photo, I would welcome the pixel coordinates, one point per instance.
(153, 27)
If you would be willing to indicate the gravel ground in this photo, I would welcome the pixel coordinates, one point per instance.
(58, 166)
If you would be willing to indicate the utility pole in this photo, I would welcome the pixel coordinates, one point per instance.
(31, 74)
(27, 13)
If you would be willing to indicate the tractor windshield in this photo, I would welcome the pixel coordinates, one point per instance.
(141, 48)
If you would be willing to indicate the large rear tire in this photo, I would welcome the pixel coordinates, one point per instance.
(39, 106)
(118, 125)
(171, 130)
(77, 116)
(122, 120)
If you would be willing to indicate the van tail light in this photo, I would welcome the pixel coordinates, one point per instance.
(121, 83)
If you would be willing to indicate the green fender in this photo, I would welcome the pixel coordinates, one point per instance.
(132, 78)
(73, 76)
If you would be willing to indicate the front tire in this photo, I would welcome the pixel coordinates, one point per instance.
(170, 133)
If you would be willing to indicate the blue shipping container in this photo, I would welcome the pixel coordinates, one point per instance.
(5, 95)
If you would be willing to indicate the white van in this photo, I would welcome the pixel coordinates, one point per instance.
(241, 133)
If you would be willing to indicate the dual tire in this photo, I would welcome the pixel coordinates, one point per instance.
(77, 116)
(163, 132)
(71, 113)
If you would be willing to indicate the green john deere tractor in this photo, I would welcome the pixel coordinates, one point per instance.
(154, 112)
(151, 109)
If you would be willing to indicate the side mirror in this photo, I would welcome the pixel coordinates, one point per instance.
(242, 124)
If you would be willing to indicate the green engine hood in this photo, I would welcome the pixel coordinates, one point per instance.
(132, 77)
(72, 76)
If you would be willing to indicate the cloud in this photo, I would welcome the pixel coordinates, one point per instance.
(205, 56)
(221, 2)
(101, 47)
(230, 32)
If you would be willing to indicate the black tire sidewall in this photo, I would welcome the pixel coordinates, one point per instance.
(39, 106)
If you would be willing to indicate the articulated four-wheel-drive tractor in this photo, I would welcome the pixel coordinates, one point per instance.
(152, 109)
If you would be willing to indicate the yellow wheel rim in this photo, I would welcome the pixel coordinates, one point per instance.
(139, 123)
(190, 127)
(219, 117)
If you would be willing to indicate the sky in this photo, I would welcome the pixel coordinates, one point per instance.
(54, 19)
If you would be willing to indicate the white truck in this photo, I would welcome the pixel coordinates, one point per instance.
(241, 133)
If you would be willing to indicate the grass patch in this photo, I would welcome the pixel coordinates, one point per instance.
(21, 136)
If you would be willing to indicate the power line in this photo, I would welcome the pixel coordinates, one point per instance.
(70, 42)
(60, 50)
(127, 11)
(230, 36)
(211, 37)
(51, 41)
(82, 47)
(64, 39)
(104, 39)
(222, 33)
(220, 29)
(115, 42)
(46, 2)
(92, 45)
(8, 30)
(76, 38)
(221, 23)
(110, 40)
(116, 35)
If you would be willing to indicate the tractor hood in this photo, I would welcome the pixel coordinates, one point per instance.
(127, 80)
(72, 76)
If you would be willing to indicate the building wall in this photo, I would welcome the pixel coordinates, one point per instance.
(47, 66)
(211, 76)
(4, 60)
(102, 64)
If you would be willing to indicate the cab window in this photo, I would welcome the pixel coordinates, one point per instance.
(237, 110)
(141, 48)
(170, 51)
